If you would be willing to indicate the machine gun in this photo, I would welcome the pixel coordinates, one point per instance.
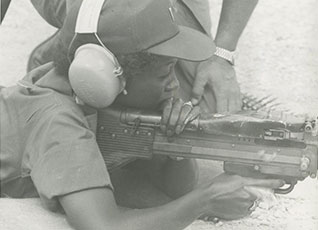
(250, 143)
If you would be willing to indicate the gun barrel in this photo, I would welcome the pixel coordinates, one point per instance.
(144, 118)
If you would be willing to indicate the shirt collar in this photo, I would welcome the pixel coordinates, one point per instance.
(48, 79)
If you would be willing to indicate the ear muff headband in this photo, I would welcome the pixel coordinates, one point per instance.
(87, 23)
(88, 16)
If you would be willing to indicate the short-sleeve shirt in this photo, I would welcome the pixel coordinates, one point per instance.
(47, 143)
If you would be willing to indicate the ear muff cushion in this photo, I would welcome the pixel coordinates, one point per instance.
(92, 77)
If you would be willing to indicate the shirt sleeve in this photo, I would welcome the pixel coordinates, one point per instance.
(65, 157)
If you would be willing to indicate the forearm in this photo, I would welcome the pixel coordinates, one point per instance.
(175, 215)
(234, 17)
(96, 209)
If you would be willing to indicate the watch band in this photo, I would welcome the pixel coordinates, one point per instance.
(225, 54)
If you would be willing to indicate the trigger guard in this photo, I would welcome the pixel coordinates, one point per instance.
(285, 190)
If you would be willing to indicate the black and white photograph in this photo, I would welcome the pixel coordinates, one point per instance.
(158, 115)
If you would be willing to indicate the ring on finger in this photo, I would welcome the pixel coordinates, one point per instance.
(189, 103)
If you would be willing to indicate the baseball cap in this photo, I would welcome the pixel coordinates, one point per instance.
(130, 26)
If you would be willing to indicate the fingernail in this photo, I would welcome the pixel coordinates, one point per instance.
(282, 183)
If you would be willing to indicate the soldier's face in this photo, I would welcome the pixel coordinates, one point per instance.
(150, 79)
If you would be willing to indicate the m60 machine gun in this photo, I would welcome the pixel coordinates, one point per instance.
(250, 143)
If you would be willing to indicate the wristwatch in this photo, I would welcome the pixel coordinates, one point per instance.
(225, 54)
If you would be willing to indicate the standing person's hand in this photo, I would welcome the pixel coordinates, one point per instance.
(230, 197)
(220, 75)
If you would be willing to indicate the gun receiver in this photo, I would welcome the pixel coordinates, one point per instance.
(249, 143)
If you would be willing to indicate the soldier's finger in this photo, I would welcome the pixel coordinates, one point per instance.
(260, 192)
(194, 113)
(167, 108)
(174, 116)
(267, 183)
(186, 109)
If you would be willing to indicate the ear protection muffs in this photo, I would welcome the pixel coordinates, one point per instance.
(94, 73)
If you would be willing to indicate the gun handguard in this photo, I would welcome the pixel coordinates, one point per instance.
(249, 143)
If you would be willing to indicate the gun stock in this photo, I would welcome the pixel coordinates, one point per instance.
(249, 143)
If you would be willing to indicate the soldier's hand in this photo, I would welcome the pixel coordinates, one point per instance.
(176, 114)
(220, 75)
(230, 197)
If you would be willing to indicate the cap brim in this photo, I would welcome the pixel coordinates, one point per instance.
(188, 44)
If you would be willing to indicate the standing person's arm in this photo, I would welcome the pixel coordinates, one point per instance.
(217, 72)
(4, 5)
(96, 208)
(234, 17)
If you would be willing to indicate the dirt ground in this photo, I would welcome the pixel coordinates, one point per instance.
(278, 55)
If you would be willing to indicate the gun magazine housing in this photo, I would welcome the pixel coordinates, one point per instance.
(264, 152)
